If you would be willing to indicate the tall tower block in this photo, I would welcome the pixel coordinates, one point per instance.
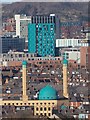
(25, 97)
(65, 79)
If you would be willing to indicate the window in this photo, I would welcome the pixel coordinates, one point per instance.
(45, 114)
(41, 114)
(27, 55)
(8, 103)
(15, 55)
(48, 98)
(41, 109)
(36, 113)
(40, 62)
(45, 109)
(49, 108)
(60, 110)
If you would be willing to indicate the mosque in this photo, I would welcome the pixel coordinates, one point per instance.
(47, 98)
(48, 93)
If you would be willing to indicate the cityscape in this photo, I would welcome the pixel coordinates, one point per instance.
(45, 61)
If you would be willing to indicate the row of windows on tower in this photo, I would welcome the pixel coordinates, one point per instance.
(43, 108)
(44, 29)
(45, 34)
(45, 114)
(43, 19)
(42, 45)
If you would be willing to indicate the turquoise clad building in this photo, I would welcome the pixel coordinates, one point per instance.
(32, 38)
(41, 39)
(42, 35)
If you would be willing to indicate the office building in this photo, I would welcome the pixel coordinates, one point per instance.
(71, 54)
(42, 42)
(16, 56)
(12, 43)
(72, 43)
(22, 26)
(42, 35)
(52, 18)
(62, 43)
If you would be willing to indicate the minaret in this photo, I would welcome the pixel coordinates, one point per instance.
(65, 79)
(25, 97)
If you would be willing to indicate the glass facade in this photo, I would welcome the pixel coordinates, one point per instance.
(17, 44)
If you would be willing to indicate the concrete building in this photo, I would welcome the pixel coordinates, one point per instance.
(15, 56)
(22, 25)
(12, 43)
(71, 54)
(62, 43)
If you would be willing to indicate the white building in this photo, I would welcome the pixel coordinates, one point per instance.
(71, 54)
(22, 25)
(62, 43)
(15, 56)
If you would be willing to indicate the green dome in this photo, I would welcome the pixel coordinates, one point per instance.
(63, 107)
(65, 61)
(48, 93)
(24, 62)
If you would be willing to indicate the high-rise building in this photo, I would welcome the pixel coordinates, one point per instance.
(42, 39)
(42, 32)
(52, 18)
(22, 26)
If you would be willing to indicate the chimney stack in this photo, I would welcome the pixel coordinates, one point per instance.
(6, 81)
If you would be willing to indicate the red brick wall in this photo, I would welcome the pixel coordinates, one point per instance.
(14, 63)
(83, 51)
